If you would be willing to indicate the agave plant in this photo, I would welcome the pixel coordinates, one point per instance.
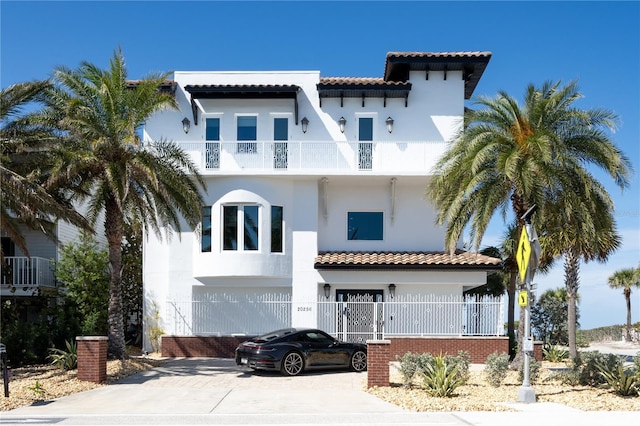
(440, 378)
(65, 360)
(625, 381)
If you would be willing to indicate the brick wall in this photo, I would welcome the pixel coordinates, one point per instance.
(200, 346)
(478, 347)
(92, 358)
(224, 346)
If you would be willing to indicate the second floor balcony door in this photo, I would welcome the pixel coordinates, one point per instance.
(212, 133)
(365, 146)
(280, 149)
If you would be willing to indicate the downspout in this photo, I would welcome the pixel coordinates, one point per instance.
(393, 198)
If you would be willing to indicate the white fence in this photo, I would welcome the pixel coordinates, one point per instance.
(349, 321)
(309, 157)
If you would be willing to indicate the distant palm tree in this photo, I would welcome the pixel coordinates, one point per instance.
(509, 157)
(582, 227)
(625, 279)
(107, 164)
(24, 154)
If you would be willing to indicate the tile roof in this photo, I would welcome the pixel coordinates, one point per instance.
(406, 260)
(360, 81)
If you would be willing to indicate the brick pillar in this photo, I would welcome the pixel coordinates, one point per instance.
(378, 352)
(92, 358)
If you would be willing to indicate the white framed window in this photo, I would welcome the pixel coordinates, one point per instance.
(241, 227)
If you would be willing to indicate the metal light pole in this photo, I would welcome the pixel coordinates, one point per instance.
(527, 258)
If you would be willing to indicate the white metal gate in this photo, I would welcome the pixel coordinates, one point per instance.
(359, 315)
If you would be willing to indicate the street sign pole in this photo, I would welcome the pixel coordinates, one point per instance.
(526, 393)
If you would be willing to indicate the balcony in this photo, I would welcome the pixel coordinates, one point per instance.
(23, 276)
(314, 158)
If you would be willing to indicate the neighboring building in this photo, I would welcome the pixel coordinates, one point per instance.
(24, 276)
(315, 212)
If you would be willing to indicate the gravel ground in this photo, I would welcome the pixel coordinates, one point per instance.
(477, 395)
(44, 382)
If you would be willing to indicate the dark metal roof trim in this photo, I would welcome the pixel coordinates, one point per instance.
(472, 65)
(242, 91)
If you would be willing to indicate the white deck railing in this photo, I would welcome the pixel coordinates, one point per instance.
(313, 157)
(349, 321)
(24, 272)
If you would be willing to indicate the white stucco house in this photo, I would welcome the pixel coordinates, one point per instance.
(315, 213)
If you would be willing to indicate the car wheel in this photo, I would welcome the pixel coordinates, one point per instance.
(292, 364)
(359, 361)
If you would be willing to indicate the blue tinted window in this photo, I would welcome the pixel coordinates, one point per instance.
(247, 128)
(230, 228)
(276, 229)
(206, 228)
(251, 227)
(365, 129)
(364, 225)
(280, 129)
(213, 129)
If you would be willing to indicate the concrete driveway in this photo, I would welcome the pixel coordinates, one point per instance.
(213, 385)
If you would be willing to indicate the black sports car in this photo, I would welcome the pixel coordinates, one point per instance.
(294, 350)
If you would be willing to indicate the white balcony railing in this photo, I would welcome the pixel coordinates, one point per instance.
(314, 158)
(27, 273)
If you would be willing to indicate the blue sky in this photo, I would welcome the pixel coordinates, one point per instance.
(597, 43)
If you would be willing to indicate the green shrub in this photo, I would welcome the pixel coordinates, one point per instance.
(555, 354)
(496, 368)
(588, 364)
(28, 342)
(441, 378)
(461, 362)
(409, 366)
(65, 360)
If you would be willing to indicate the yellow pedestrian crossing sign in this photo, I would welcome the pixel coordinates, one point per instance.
(523, 298)
(523, 254)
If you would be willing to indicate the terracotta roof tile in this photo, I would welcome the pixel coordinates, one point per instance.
(419, 260)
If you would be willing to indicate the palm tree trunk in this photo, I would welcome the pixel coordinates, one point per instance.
(571, 269)
(627, 296)
(114, 234)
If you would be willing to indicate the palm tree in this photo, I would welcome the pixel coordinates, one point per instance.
(24, 155)
(582, 227)
(625, 279)
(104, 160)
(508, 158)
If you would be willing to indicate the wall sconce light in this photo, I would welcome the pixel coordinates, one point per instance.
(186, 125)
(305, 124)
(389, 122)
(341, 123)
(327, 290)
(392, 290)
